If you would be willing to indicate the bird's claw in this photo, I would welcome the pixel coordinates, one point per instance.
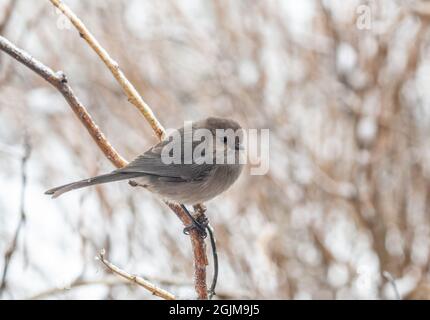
(200, 225)
(133, 183)
(211, 293)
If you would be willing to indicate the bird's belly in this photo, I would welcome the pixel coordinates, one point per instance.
(192, 192)
(195, 191)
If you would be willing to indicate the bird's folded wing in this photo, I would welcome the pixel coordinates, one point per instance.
(151, 163)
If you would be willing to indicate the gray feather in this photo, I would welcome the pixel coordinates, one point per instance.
(151, 163)
(114, 176)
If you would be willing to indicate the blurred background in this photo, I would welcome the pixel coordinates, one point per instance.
(343, 86)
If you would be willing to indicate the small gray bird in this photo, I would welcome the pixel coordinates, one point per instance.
(188, 182)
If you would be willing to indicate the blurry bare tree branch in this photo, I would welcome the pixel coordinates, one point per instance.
(22, 216)
(7, 14)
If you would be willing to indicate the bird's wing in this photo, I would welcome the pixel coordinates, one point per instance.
(151, 163)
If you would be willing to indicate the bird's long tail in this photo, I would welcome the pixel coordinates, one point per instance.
(104, 178)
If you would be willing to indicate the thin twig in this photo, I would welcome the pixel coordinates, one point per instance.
(12, 247)
(136, 279)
